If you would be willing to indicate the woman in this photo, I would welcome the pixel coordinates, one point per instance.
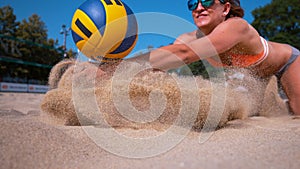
(225, 39)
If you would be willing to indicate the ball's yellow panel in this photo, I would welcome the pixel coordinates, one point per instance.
(89, 48)
(86, 21)
(115, 29)
(80, 44)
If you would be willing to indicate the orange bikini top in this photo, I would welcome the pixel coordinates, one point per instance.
(242, 61)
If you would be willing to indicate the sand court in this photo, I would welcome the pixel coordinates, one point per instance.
(255, 142)
(52, 130)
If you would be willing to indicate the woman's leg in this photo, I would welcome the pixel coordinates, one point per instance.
(290, 81)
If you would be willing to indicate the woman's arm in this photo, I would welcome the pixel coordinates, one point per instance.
(172, 56)
(225, 36)
(166, 51)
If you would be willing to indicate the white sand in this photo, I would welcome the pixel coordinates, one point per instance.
(26, 141)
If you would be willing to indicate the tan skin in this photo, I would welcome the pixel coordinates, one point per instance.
(229, 35)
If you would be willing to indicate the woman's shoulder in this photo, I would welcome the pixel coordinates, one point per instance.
(235, 20)
(236, 25)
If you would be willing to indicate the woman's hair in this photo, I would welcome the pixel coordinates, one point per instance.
(236, 10)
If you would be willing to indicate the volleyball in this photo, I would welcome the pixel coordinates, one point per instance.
(104, 29)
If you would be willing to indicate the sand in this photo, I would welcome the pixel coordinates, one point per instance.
(148, 119)
(28, 141)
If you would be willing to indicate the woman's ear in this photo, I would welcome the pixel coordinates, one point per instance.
(227, 7)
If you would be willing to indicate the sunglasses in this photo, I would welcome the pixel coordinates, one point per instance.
(192, 4)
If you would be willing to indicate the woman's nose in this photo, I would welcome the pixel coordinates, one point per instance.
(199, 6)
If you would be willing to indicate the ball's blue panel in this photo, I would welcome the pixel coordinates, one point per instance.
(96, 11)
(76, 37)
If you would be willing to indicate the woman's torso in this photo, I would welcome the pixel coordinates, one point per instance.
(249, 53)
(251, 46)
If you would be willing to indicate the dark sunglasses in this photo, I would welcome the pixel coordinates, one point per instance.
(192, 4)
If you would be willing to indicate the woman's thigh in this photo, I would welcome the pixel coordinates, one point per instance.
(290, 81)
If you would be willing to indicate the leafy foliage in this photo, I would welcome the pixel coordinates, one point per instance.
(25, 50)
(8, 24)
(204, 69)
(279, 21)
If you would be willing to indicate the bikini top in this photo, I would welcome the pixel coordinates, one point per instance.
(242, 60)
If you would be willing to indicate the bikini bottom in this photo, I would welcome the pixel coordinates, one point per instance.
(294, 56)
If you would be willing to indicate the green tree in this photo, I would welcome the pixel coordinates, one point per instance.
(8, 27)
(204, 69)
(279, 21)
(71, 54)
(8, 24)
(33, 30)
(35, 52)
(38, 48)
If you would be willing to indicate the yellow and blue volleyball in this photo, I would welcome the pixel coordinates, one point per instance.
(104, 29)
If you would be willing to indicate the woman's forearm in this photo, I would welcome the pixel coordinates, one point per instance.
(177, 55)
(172, 56)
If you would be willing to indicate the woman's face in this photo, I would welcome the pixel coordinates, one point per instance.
(207, 19)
